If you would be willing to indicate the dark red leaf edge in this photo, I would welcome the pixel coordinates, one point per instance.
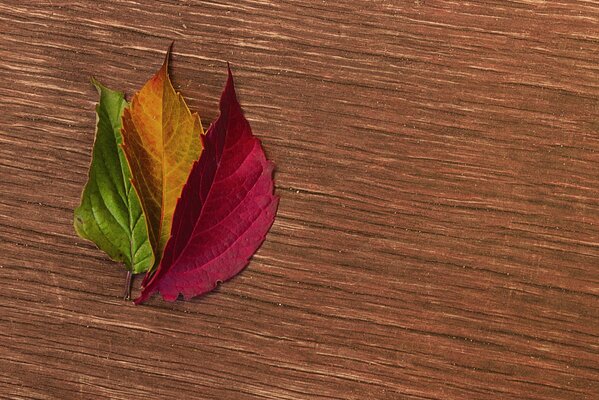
(225, 210)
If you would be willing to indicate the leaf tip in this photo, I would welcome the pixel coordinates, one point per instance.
(229, 74)
(99, 87)
(228, 93)
(167, 56)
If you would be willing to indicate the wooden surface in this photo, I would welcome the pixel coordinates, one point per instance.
(438, 233)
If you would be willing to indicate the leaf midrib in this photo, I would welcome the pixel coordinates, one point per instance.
(126, 184)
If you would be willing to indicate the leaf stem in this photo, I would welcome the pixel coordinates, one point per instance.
(128, 282)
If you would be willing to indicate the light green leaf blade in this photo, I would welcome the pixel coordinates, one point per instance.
(110, 214)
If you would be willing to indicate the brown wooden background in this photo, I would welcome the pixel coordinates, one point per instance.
(438, 233)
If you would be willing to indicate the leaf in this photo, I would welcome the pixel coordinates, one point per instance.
(161, 141)
(226, 208)
(110, 214)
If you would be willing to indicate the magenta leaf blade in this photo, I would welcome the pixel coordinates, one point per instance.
(225, 210)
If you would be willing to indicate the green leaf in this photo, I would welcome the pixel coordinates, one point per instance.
(110, 214)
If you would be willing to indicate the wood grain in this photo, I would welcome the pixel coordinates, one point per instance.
(438, 233)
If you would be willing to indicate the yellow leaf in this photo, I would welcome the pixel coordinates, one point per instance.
(161, 140)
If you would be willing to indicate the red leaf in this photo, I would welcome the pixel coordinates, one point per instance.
(225, 210)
